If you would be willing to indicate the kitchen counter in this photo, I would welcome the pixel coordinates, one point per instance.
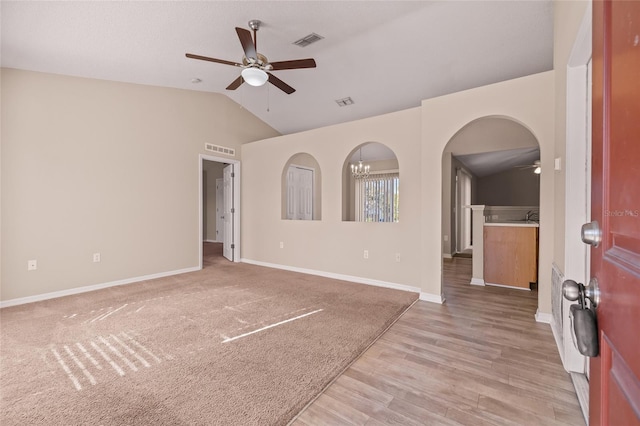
(514, 223)
(511, 254)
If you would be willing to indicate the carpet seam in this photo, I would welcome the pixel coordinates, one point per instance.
(352, 362)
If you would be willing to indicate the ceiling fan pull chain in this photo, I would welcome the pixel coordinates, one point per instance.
(242, 95)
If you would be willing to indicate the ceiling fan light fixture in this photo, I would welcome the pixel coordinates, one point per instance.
(254, 76)
(537, 170)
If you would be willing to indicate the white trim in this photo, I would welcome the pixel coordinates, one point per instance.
(236, 203)
(477, 281)
(342, 277)
(507, 286)
(447, 256)
(543, 317)
(212, 241)
(559, 344)
(581, 385)
(433, 298)
(84, 289)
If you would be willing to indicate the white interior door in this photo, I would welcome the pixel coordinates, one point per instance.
(219, 210)
(228, 212)
(299, 193)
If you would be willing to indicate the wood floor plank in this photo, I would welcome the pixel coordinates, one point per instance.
(479, 359)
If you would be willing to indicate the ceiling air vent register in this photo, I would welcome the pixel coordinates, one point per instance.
(344, 101)
(307, 40)
(220, 149)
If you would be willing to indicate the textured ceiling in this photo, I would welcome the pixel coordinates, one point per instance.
(491, 163)
(386, 55)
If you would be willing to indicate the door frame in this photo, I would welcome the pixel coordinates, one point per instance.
(463, 212)
(219, 205)
(577, 167)
(577, 158)
(236, 203)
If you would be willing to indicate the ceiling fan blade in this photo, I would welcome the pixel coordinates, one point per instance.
(206, 58)
(280, 84)
(247, 43)
(292, 65)
(235, 83)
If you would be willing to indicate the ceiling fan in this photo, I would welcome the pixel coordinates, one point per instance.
(255, 66)
(535, 166)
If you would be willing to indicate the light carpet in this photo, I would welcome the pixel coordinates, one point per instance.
(233, 344)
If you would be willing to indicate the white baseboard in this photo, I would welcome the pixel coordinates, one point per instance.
(212, 241)
(508, 286)
(78, 290)
(447, 256)
(477, 281)
(434, 298)
(335, 276)
(542, 317)
(581, 385)
(558, 340)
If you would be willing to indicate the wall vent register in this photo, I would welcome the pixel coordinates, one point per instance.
(220, 149)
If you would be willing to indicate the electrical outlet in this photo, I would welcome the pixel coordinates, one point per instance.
(281, 244)
(96, 257)
(32, 265)
(366, 254)
(494, 217)
(397, 257)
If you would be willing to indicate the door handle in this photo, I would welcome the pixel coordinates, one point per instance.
(591, 233)
(573, 291)
(583, 318)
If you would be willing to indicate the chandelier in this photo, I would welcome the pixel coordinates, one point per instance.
(360, 171)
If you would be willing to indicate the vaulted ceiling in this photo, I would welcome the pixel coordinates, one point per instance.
(385, 55)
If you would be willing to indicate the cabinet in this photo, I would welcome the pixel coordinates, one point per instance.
(510, 255)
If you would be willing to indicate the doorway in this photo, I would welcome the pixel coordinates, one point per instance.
(230, 222)
(463, 212)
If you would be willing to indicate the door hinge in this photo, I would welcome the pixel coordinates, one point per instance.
(233, 210)
(233, 246)
(233, 174)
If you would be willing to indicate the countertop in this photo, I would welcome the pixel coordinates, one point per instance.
(519, 223)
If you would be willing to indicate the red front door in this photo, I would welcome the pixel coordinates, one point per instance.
(615, 373)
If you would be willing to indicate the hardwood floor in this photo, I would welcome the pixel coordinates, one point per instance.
(479, 359)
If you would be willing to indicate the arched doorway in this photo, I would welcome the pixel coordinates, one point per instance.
(492, 164)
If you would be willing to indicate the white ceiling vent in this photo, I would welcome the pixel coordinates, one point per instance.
(220, 149)
(344, 101)
(307, 40)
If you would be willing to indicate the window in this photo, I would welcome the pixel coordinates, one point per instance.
(378, 197)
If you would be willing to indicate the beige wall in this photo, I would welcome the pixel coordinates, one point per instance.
(331, 245)
(97, 166)
(515, 187)
(529, 101)
(567, 18)
(418, 137)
